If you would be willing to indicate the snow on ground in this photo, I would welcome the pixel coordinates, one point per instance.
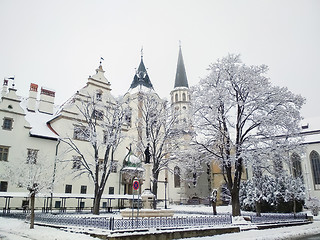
(14, 229)
(297, 232)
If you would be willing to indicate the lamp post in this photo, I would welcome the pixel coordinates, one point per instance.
(165, 193)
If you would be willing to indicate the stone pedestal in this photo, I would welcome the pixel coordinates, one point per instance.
(147, 183)
(147, 198)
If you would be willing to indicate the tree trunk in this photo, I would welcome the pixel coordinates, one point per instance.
(96, 203)
(32, 197)
(258, 208)
(294, 206)
(235, 203)
(155, 192)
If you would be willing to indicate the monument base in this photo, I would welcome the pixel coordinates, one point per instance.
(147, 213)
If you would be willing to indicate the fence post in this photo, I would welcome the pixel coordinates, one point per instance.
(111, 223)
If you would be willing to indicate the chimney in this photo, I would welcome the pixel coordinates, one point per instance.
(31, 106)
(4, 87)
(46, 100)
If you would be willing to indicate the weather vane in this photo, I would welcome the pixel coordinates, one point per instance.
(101, 59)
(141, 51)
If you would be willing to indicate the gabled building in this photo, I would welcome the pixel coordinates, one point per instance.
(43, 128)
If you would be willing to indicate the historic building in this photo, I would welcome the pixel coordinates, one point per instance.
(36, 130)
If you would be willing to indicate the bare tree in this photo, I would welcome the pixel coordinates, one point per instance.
(235, 107)
(100, 124)
(156, 130)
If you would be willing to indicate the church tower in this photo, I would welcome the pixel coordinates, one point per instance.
(180, 95)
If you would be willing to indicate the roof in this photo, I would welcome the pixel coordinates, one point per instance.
(38, 122)
(181, 75)
(141, 78)
(311, 130)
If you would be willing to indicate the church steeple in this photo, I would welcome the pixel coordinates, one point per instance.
(141, 78)
(181, 76)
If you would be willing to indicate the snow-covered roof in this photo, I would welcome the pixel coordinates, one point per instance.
(311, 130)
(310, 124)
(38, 122)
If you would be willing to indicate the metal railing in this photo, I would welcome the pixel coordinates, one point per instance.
(125, 223)
(112, 223)
(278, 217)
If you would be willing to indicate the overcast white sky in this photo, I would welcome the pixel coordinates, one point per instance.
(58, 44)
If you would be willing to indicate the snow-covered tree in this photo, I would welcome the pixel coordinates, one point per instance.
(237, 110)
(33, 173)
(156, 130)
(272, 191)
(100, 123)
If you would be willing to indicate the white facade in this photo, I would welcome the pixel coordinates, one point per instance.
(310, 160)
(36, 124)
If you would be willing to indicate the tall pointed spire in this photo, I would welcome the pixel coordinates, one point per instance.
(141, 77)
(181, 76)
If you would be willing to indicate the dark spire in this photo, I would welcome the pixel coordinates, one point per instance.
(141, 77)
(181, 76)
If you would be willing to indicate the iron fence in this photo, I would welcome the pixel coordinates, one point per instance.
(278, 217)
(125, 223)
(112, 223)
(171, 222)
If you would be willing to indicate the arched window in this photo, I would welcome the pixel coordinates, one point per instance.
(176, 97)
(176, 177)
(296, 165)
(315, 164)
(184, 97)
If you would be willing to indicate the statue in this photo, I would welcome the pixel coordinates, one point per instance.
(214, 201)
(147, 154)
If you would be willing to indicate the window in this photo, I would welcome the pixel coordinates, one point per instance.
(81, 133)
(97, 114)
(176, 177)
(76, 162)
(25, 204)
(32, 156)
(4, 151)
(128, 117)
(68, 188)
(111, 190)
(83, 189)
(176, 97)
(296, 165)
(315, 164)
(101, 160)
(114, 166)
(3, 186)
(99, 96)
(7, 123)
(57, 204)
(184, 97)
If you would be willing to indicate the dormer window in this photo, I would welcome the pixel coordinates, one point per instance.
(99, 96)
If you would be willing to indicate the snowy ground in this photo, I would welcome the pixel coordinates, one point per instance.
(14, 229)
